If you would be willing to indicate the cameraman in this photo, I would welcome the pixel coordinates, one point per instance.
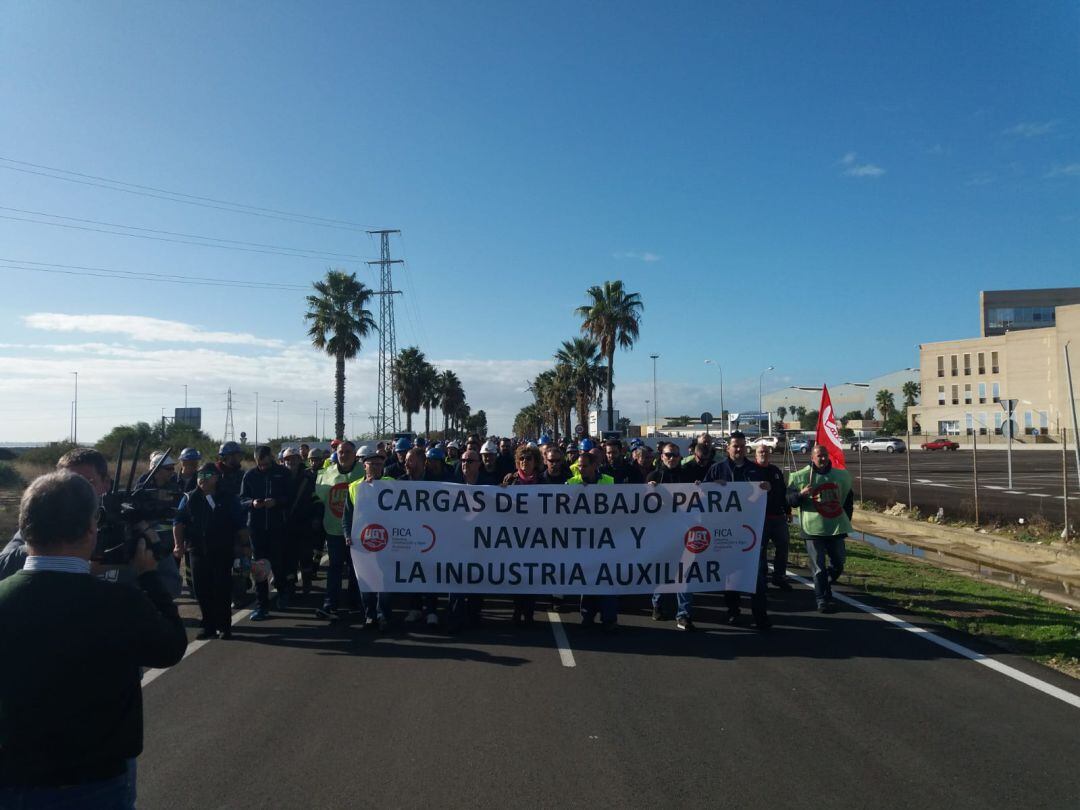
(88, 463)
(72, 646)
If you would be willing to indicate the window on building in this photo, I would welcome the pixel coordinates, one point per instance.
(941, 365)
(997, 392)
(993, 362)
(1029, 422)
(982, 363)
(967, 365)
(967, 394)
(982, 424)
(952, 364)
(969, 424)
(956, 395)
(998, 419)
(982, 393)
(1044, 422)
(948, 427)
(941, 395)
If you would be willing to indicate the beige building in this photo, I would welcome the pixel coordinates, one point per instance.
(964, 381)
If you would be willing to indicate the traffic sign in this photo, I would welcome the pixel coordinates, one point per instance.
(579, 430)
(706, 418)
(1009, 428)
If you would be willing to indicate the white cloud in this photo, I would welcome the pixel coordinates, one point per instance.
(1030, 129)
(641, 256)
(140, 328)
(980, 179)
(1069, 170)
(852, 167)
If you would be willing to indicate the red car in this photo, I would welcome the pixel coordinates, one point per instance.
(941, 444)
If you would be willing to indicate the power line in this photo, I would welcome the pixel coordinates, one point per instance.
(142, 275)
(180, 197)
(227, 243)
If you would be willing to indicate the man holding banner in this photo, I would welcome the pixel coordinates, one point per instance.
(822, 492)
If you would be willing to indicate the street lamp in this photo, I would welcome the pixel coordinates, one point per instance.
(723, 413)
(315, 430)
(761, 384)
(75, 412)
(277, 425)
(655, 400)
(646, 410)
(256, 418)
(324, 410)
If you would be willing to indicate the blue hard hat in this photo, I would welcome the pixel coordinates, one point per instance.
(421, 441)
(636, 443)
(402, 445)
(545, 439)
(229, 448)
(586, 445)
(190, 454)
(436, 452)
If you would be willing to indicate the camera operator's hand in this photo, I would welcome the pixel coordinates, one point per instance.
(269, 503)
(143, 561)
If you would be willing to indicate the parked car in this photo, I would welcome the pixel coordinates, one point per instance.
(775, 443)
(800, 445)
(940, 444)
(879, 444)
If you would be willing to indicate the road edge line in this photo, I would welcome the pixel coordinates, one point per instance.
(562, 643)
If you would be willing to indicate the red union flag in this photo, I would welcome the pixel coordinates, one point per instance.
(828, 432)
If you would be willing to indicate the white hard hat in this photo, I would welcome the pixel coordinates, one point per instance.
(490, 447)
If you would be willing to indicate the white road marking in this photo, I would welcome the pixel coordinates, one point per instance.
(991, 486)
(880, 479)
(959, 649)
(152, 675)
(561, 641)
(1013, 492)
(1038, 495)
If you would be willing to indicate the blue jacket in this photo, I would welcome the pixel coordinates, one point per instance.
(273, 483)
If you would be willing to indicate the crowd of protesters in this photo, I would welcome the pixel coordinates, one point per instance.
(273, 525)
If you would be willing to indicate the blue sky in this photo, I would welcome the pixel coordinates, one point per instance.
(734, 163)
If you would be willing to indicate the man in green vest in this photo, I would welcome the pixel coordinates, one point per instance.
(332, 488)
(823, 496)
(376, 605)
(606, 605)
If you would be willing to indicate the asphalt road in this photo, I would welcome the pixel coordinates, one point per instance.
(945, 480)
(827, 710)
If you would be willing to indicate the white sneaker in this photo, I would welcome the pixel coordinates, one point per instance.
(413, 616)
(432, 619)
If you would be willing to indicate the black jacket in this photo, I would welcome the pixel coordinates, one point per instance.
(257, 484)
(663, 475)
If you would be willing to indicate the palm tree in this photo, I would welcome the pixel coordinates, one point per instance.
(339, 320)
(911, 391)
(781, 412)
(587, 372)
(612, 316)
(431, 394)
(409, 381)
(451, 397)
(885, 402)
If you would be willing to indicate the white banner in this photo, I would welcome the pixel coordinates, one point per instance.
(449, 538)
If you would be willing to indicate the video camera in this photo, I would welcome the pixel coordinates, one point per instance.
(122, 510)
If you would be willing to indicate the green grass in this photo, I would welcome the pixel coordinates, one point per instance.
(1016, 621)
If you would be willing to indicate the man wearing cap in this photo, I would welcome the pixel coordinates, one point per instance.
(231, 468)
(607, 605)
(264, 493)
(437, 469)
(395, 467)
(376, 605)
(209, 527)
(190, 459)
(421, 606)
(489, 463)
(642, 462)
(332, 488)
(298, 517)
(453, 454)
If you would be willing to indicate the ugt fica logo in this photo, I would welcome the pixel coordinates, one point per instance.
(697, 539)
(374, 537)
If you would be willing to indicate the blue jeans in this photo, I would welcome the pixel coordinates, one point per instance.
(607, 606)
(817, 549)
(340, 560)
(108, 794)
(684, 602)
